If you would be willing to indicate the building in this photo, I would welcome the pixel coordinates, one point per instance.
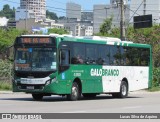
(32, 25)
(53, 24)
(11, 24)
(115, 2)
(24, 14)
(102, 11)
(77, 27)
(28, 24)
(86, 16)
(99, 15)
(146, 7)
(78, 23)
(31, 9)
(73, 10)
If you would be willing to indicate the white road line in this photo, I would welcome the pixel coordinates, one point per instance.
(74, 112)
(132, 107)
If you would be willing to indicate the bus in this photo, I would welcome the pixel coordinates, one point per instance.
(46, 65)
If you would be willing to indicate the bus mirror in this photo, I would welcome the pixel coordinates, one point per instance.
(63, 56)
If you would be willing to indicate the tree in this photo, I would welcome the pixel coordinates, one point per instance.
(7, 37)
(57, 31)
(106, 26)
(62, 17)
(7, 12)
(6, 8)
(51, 15)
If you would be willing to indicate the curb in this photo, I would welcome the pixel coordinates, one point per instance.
(6, 92)
(144, 92)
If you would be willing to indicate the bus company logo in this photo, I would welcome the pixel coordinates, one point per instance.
(21, 116)
(104, 72)
(6, 116)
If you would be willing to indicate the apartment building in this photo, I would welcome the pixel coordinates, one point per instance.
(31, 9)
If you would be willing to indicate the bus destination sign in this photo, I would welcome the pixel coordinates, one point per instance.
(27, 40)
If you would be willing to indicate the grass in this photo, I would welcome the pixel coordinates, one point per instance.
(154, 89)
(5, 86)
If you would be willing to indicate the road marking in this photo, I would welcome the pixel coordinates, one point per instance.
(132, 107)
(74, 112)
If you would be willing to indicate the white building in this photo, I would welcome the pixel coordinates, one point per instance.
(3, 21)
(89, 31)
(77, 27)
(146, 7)
(30, 8)
(24, 14)
(52, 24)
(81, 30)
(73, 10)
(102, 12)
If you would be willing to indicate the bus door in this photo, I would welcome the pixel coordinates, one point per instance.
(64, 65)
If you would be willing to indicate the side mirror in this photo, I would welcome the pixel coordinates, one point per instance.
(63, 56)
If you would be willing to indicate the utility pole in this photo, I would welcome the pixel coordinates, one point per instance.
(144, 11)
(107, 8)
(122, 22)
(26, 15)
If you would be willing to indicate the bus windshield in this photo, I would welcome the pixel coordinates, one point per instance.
(35, 59)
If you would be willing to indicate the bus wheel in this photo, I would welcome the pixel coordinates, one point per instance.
(86, 95)
(37, 97)
(123, 91)
(75, 92)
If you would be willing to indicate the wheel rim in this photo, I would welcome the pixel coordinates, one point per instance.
(124, 90)
(74, 92)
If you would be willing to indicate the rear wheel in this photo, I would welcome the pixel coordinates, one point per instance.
(37, 97)
(75, 92)
(123, 91)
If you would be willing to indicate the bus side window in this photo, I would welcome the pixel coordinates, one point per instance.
(78, 53)
(91, 56)
(64, 57)
(104, 55)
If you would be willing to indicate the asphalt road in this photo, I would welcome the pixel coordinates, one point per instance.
(137, 102)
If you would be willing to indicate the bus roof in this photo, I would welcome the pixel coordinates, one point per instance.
(93, 39)
(105, 40)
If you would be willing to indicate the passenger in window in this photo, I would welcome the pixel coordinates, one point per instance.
(77, 60)
(100, 61)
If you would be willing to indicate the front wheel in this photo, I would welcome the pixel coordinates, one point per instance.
(37, 97)
(123, 91)
(75, 92)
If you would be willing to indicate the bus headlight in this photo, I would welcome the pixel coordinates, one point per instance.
(53, 80)
(50, 81)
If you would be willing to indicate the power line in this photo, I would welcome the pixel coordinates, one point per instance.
(135, 11)
(57, 8)
(11, 1)
(132, 10)
(58, 2)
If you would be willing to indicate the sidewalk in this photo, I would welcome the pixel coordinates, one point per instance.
(6, 92)
(144, 92)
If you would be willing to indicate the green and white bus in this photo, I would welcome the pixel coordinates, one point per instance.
(46, 65)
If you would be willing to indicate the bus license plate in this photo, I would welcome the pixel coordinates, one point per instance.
(30, 87)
